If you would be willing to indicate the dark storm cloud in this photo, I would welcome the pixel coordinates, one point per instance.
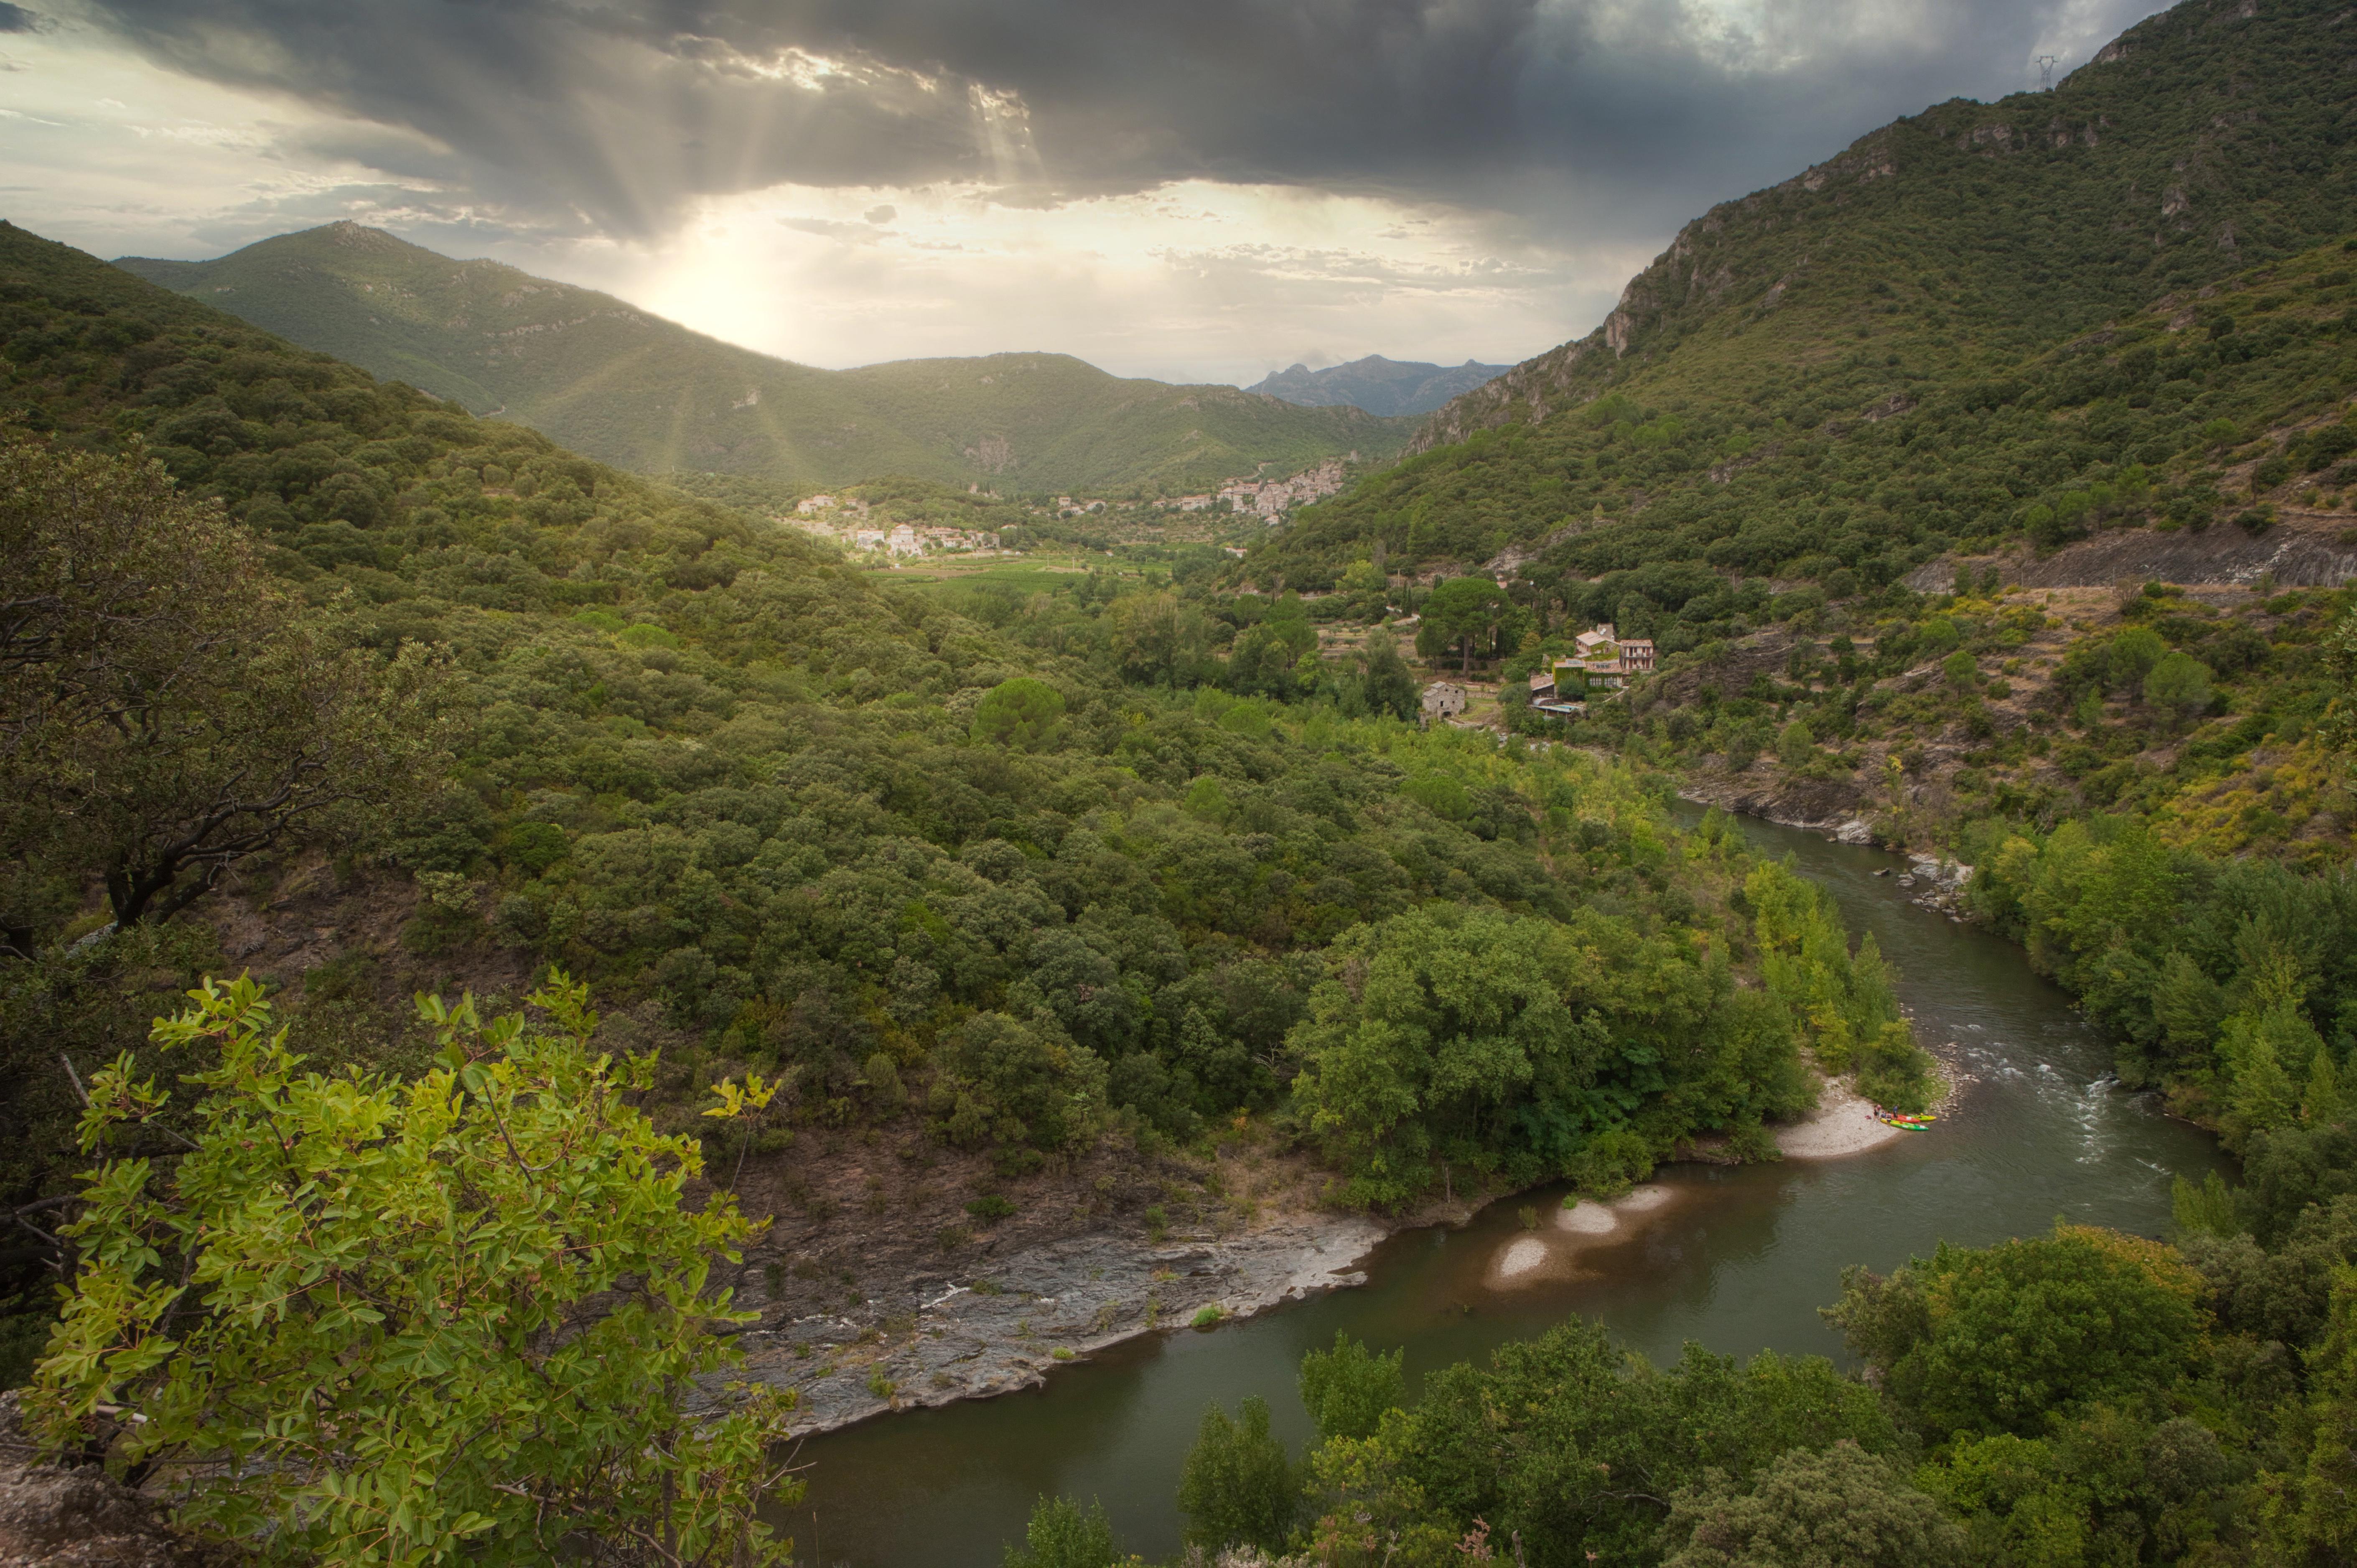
(17, 19)
(610, 116)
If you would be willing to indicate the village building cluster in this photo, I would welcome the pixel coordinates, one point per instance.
(1271, 499)
(849, 521)
(846, 522)
(1601, 661)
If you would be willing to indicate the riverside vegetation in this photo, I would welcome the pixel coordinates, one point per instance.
(2155, 791)
(1046, 870)
(2079, 1397)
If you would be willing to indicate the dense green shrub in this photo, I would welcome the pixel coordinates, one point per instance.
(1348, 1388)
(1999, 1339)
(1238, 1487)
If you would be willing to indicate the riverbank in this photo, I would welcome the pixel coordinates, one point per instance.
(1830, 807)
(1844, 1123)
(1055, 1304)
(1048, 1305)
(882, 1325)
(1738, 1258)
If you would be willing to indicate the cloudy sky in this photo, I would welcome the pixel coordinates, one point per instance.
(1195, 190)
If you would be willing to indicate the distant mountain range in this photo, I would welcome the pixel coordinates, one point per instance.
(1381, 386)
(629, 388)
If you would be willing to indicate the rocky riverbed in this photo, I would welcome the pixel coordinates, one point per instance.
(1937, 883)
(864, 1316)
(940, 1337)
(1042, 1306)
(1933, 881)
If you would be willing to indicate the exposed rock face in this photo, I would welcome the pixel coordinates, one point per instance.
(1835, 808)
(1529, 392)
(2296, 554)
(2305, 550)
(1939, 882)
(992, 454)
(57, 1517)
(1042, 1306)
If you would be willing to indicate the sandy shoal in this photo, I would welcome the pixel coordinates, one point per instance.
(1843, 1124)
(1522, 1256)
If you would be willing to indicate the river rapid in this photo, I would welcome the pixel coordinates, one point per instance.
(1736, 1259)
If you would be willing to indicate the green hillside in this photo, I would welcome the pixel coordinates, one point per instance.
(1028, 895)
(2085, 363)
(1827, 374)
(2221, 414)
(789, 820)
(618, 384)
(2219, 773)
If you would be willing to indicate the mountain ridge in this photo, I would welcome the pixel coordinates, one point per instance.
(627, 387)
(1381, 386)
(1655, 302)
(1856, 368)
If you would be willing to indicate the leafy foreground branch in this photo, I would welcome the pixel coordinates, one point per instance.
(367, 1321)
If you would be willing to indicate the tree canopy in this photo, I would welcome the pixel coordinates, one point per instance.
(165, 711)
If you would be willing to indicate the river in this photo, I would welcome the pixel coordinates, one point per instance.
(1739, 1259)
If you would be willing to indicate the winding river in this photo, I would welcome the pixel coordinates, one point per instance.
(1736, 1259)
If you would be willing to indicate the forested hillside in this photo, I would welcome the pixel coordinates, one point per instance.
(981, 865)
(613, 382)
(2197, 432)
(1829, 375)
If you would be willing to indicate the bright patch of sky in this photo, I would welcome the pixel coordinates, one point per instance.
(1193, 281)
(1484, 193)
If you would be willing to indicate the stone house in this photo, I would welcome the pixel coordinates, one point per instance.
(1603, 660)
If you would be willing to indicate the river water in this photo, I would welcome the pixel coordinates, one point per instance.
(1739, 1259)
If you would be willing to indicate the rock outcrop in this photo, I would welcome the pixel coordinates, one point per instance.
(2306, 549)
(77, 1516)
(1042, 1306)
